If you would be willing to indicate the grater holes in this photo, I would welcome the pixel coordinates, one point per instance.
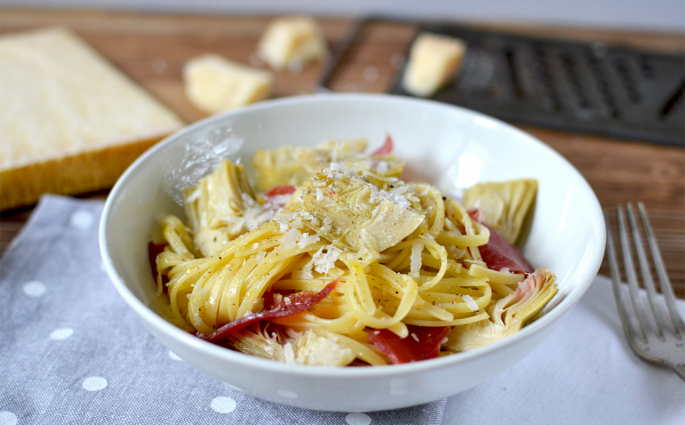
(646, 67)
(540, 67)
(570, 67)
(626, 79)
(602, 86)
(524, 79)
(515, 78)
(477, 72)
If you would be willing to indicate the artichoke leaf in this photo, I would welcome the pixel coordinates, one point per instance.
(355, 215)
(295, 165)
(260, 344)
(311, 347)
(508, 315)
(505, 205)
(321, 348)
(220, 207)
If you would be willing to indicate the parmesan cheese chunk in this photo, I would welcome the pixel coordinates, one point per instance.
(291, 42)
(70, 121)
(470, 302)
(433, 61)
(415, 261)
(215, 84)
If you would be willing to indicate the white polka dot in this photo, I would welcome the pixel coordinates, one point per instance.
(358, 419)
(35, 289)
(223, 405)
(94, 383)
(287, 394)
(8, 418)
(82, 219)
(174, 356)
(61, 333)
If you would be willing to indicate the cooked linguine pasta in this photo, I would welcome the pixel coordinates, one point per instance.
(343, 263)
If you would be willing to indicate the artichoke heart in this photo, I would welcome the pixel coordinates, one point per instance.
(508, 315)
(321, 348)
(311, 347)
(220, 206)
(504, 204)
(294, 165)
(355, 215)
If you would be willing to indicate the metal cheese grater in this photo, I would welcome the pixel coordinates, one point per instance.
(594, 88)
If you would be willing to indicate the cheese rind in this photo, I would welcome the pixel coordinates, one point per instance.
(433, 61)
(291, 42)
(215, 84)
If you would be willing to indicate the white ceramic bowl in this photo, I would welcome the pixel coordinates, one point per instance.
(447, 146)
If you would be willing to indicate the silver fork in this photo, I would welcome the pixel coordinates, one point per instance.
(660, 338)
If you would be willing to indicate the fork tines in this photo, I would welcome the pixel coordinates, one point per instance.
(659, 336)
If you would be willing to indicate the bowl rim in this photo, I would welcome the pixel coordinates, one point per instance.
(241, 359)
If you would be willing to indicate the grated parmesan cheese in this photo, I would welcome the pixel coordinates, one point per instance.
(302, 274)
(288, 353)
(319, 194)
(416, 338)
(324, 262)
(261, 255)
(470, 303)
(456, 252)
(415, 264)
(382, 167)
(308, 240)
(291, 238)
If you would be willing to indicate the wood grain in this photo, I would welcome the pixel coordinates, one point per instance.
(152, 48)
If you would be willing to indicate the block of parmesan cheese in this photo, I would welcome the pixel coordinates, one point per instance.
(70, 122)
(291, 42)
(433, 61)
(215, 84)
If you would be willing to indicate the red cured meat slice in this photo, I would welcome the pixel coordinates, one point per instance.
(422, 343)
(387, 147)
(498, 253)
(294, 304)
(284, 189)
(279, 195)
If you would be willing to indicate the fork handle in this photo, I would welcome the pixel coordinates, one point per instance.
(679, 369)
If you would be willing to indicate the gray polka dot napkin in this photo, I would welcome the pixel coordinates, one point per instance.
(72, 352)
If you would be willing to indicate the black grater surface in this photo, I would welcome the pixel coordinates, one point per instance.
(594, 88)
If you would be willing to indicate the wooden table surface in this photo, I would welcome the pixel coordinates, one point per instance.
(152, 49)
